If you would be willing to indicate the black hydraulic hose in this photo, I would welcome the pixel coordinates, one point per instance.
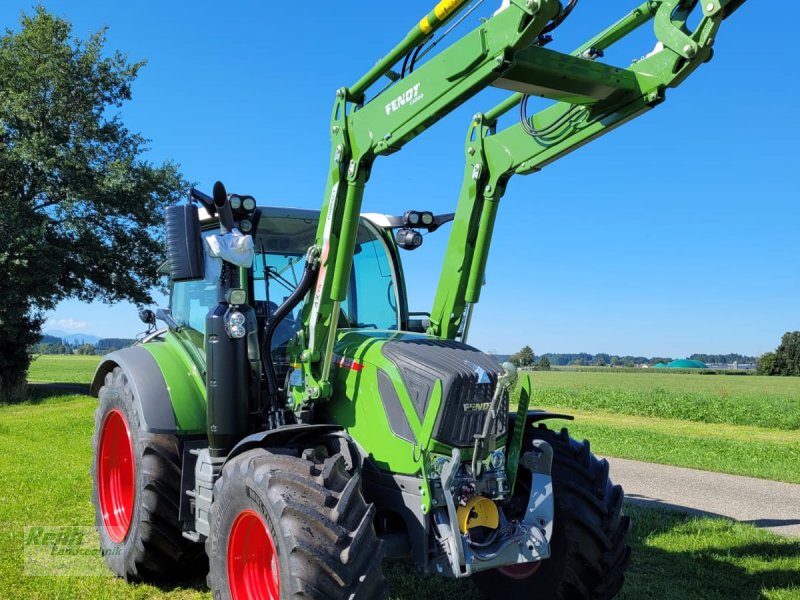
(561, 17)
(306, 282)
(414, 59)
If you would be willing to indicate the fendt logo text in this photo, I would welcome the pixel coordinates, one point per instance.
(412, 96)
(476, 406)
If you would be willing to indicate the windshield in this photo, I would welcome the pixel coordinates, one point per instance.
(281, 244)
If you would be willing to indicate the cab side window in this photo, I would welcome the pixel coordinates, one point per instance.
(191, 300)
(371, 298)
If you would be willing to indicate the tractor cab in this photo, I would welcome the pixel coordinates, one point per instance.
(376, 297)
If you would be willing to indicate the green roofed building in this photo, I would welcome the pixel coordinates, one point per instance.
(687, 364)
(659, 366)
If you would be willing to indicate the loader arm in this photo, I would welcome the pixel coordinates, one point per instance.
(503, 51)
(592, 99)
(362, 130)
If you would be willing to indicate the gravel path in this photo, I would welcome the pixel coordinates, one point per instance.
(766, 504)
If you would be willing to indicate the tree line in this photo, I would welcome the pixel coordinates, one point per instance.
(724, 358)
(50, 344)
(785, 360)
(526, 358)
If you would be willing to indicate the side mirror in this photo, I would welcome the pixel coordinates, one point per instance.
(184, 243)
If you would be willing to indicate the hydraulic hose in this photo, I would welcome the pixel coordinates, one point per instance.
(303, 287)
(561, 17)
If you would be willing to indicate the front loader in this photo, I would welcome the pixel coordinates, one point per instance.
(297, 425)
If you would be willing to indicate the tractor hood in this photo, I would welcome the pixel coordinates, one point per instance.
(423, 382)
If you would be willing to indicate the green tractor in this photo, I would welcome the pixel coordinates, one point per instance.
(297, 425)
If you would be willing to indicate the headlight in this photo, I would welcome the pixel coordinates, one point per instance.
(427, 219)
(236, 328)
(408, 239)
(498, 459)
(249, 204)
(235, 202)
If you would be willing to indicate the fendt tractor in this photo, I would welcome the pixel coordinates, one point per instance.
(297, 425)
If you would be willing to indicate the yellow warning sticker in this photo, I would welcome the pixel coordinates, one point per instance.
(445, 7)
(425, 25)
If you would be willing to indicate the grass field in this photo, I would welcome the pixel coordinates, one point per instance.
(63, 369)
(740, 425)
(45, 450)
(772, 402)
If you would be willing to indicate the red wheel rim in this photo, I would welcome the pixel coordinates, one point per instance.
(115, 475)
(252, 561)
(522, 571)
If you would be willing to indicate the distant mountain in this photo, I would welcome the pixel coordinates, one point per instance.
(73, 338)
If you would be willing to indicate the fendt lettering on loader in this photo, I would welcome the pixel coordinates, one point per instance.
(298, 425)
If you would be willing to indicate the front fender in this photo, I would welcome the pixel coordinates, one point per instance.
(167, 388)
(150, 393)
(281, 437)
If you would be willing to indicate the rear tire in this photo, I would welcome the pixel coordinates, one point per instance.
(590, 534)
(285, 527)
(136, 479)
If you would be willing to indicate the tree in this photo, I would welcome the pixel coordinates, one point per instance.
(544, 363)
(787, 355)
(85, 350)
(765, 365)
(523, 358)
(80, 208)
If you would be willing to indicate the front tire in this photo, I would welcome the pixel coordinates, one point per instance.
(590, 534)
(286, 527)
(136, 479)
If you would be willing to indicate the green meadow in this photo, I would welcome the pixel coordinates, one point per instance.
(46, 453)
(740, 425)
(746, 425)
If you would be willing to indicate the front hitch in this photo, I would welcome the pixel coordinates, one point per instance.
(513, 541)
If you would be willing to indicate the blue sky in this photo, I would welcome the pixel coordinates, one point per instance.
(676, 234)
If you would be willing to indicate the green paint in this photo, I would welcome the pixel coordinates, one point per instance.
(515, 445)
(185, 381)
(367, 421)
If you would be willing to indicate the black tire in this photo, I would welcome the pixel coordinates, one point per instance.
(319, 525)
(590, 534)
(153, 546)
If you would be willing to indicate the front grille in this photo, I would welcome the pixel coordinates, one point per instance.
(468, 377)
(457, 426)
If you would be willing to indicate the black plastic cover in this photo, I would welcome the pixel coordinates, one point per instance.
(184, 244)
(227, 383)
